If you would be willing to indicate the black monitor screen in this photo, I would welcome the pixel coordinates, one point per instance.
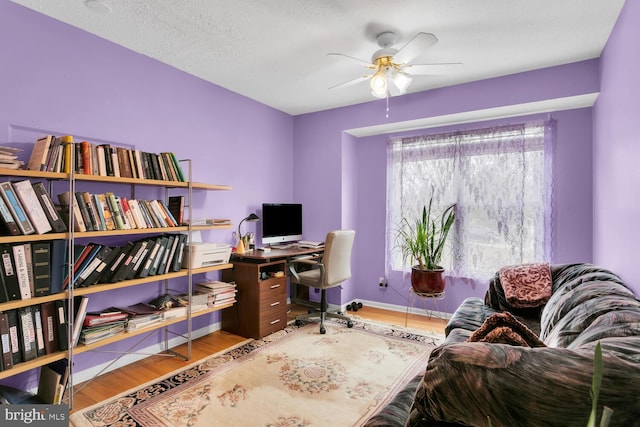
(281, 222)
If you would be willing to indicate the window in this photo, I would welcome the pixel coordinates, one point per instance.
(500, 179)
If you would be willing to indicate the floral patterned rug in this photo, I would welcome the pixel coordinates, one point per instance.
(294, 378)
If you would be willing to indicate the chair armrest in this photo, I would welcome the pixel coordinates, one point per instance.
(306, 262)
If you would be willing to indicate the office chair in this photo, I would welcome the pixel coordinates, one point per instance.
(333, 269)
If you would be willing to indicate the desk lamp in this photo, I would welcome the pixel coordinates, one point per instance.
(251, 218)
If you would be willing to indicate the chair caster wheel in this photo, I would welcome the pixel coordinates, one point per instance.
(349, 324)
(359, 305)
(298, 322)
(323, 330)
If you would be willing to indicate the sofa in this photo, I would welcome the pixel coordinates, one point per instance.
(469, 382)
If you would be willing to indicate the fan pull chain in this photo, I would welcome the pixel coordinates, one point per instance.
(387, 104)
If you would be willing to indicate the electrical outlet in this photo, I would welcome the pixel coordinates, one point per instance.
(382, 282)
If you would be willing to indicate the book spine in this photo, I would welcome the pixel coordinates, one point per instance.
(56, 222)
(113, 206)
(22, 274)
(9, 224)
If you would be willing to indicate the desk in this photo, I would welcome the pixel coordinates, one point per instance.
(261, 280)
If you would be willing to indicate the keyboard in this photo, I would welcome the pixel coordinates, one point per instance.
(309, 244)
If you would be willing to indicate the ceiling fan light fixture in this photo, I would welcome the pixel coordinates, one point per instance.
(379, 83)
(402, 81)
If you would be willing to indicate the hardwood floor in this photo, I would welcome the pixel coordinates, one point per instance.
(146, 370)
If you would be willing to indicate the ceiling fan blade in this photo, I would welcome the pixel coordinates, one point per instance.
(414, 47)
(351, 82)
(365, 63)
(433, 69)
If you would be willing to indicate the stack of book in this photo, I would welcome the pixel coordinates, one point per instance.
(98, 326)
(9, 158)
(54, 154)
(141, 316)
(103, 212)
(218, 293)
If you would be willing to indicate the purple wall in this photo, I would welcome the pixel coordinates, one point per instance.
(617, 150)
(58, 79)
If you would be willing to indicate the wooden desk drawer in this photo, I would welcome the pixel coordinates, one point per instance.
(272, 288)
(272, 322)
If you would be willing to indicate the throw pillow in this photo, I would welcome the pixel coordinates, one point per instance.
(504, 328)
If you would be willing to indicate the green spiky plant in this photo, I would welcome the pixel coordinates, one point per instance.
(423, 239)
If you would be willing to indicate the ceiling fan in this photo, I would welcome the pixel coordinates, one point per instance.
(394, 65)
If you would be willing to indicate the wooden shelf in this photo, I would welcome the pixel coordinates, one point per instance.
(82, 348)
(32, 364)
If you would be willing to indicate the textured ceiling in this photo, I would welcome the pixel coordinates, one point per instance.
(275, 51)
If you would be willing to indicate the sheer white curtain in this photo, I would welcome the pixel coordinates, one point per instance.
(500, 178)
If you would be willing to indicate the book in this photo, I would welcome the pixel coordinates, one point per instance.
(4, 296)
(80, 252)
(128, 214)
(87, 163)
(176, 207)
(5, 342)
(106, 212)
(102, 319)
(80, 313)
(28, 255)
(171, 253)
(101, 260)
(97, 204)
(162, 246)
(177, 259)
(102, 165)
(32, 206)
(115, 211)
(37, 322)
(178, 167)
(48, 312)
(62, 324)
(14, 336)
(125, 221)
(92, 210)
(94, 266)
(71, 209)
(9, 274)
(38, 158)
(101, 332)
(152, 251)
(8, 223)
(48, 382)
(16, 208)
(52, 156)
(57, 223)
(59, 249)
(41, 254)
(86, 262)
(84, 211)
(138, 260)
(118, 260)
(127, 264)
(20, 259)
(67, 144)
(27, 333)
(167, 240)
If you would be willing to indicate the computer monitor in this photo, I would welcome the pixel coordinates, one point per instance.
(281, 222)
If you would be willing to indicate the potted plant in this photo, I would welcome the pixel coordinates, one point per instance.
(422, 241)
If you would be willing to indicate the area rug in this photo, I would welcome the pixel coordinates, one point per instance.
(294, 378)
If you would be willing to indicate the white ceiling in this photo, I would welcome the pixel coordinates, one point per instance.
(275, 51)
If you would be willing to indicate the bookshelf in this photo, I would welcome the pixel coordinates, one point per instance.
(121, 185)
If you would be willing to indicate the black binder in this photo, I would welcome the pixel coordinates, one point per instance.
(8, 270)
(27, 333)
(62, 325)
(56, 221)
(41, 255)
(5, 342)
(14, 336)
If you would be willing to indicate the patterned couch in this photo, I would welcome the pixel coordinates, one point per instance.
(467, 383)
